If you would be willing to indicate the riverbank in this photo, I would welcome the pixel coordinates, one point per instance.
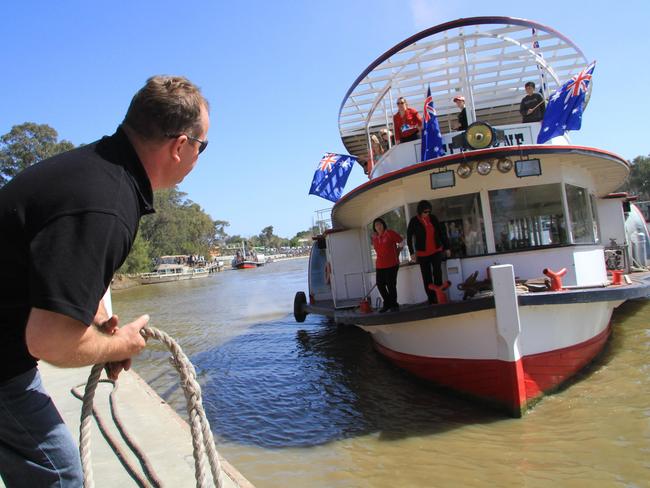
(147, 419)
(126, 281)
(123, 282)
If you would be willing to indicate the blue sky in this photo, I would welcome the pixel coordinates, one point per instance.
(275, 73)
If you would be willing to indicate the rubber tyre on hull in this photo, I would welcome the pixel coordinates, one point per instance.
(298, 311)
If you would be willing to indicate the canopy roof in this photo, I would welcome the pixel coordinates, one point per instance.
(486, 59)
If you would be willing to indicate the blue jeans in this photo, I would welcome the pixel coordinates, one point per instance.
(36, 447)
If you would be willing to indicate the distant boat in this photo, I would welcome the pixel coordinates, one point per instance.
(173, 268)
(247, 259)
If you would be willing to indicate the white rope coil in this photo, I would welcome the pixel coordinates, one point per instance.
(202, 439)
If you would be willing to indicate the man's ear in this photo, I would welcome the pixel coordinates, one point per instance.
(176, 146)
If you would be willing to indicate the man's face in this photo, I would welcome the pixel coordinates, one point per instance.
(530, 90)
(190, 150)
(402, 105)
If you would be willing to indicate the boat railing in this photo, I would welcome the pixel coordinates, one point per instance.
(408, 153)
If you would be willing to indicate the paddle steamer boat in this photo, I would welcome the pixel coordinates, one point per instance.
(539, 253)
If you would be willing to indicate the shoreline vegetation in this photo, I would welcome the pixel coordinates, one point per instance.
(124, 281)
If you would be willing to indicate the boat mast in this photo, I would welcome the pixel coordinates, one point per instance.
(467, 87)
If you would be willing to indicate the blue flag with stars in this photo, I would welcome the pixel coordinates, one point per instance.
(331, 175)
(432, 146)
(564, 109)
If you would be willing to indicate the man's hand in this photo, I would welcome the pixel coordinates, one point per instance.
(413, 258)
(67, 343)
(131, 333)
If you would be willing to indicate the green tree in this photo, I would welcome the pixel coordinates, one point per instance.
(638, 181)
(179, 226)
(139, 259)
(27, 144)
(220, 230)
(266, 236)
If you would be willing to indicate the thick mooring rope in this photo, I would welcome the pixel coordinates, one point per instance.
(202, 440)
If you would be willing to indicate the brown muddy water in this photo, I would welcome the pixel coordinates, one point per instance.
(313, 405)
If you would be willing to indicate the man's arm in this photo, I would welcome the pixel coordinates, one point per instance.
(68, 343)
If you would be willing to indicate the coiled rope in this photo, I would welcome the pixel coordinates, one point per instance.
(202, 439)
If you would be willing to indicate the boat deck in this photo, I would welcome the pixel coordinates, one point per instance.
(154, 426)
(350, 313)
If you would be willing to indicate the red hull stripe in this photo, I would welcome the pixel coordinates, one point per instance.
(512, 385)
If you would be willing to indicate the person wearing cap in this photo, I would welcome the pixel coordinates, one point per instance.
(532, 106)
(407, 122)
(462, 116)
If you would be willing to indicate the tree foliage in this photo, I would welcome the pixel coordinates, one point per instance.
(139, 259)
(638, 182)
(27, 144)
(179, 226)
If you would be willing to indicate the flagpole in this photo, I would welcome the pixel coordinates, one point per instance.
(471, 113)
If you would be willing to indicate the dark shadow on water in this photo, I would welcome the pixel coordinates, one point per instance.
(284, 384)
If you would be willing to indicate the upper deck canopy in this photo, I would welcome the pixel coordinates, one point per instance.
(486, 59)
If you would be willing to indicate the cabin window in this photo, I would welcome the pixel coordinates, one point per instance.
(528, 217)
(395, 220)
(583, 226)
(594, 216)
(462, 219)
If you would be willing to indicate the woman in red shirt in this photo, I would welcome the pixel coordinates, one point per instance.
(387, 246)
(406, 122)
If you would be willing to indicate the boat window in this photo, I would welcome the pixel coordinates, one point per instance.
(395, 220)
(462, 219)
(594, 215)
(580, 214)
(528, 217)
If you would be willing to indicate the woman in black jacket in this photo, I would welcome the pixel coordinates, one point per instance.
(427, 242)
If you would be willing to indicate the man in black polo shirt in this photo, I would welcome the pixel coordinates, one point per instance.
(66, 224)
(532, 106)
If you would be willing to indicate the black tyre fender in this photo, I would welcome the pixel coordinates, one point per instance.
(298, 306)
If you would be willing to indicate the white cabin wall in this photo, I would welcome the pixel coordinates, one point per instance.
(345, 252)
(611, 220)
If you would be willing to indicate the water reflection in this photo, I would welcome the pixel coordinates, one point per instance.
(276, 386)
(313, 404)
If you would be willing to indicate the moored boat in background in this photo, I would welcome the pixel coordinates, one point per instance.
(175, 268)
(540, 255)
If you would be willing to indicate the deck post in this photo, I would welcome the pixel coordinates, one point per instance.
(508, 332)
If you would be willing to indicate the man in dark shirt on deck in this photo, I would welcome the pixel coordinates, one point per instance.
(532, 106)
(66, 225)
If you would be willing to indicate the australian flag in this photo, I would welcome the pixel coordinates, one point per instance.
(564, 110)
(432, 146)
(331, 175)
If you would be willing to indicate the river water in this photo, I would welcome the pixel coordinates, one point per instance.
(313, 405)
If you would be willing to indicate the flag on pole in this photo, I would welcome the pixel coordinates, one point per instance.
(432, 146)
(564, 109)
(331, 175)
(542, 72)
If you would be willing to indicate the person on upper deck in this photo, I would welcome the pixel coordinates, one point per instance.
(532, 106)
(462, 116)
(386, 136)
(387, 244)
(406, 122)
(427, 242)
(377, 148)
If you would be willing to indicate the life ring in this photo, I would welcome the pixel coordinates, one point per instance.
(328, 272)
